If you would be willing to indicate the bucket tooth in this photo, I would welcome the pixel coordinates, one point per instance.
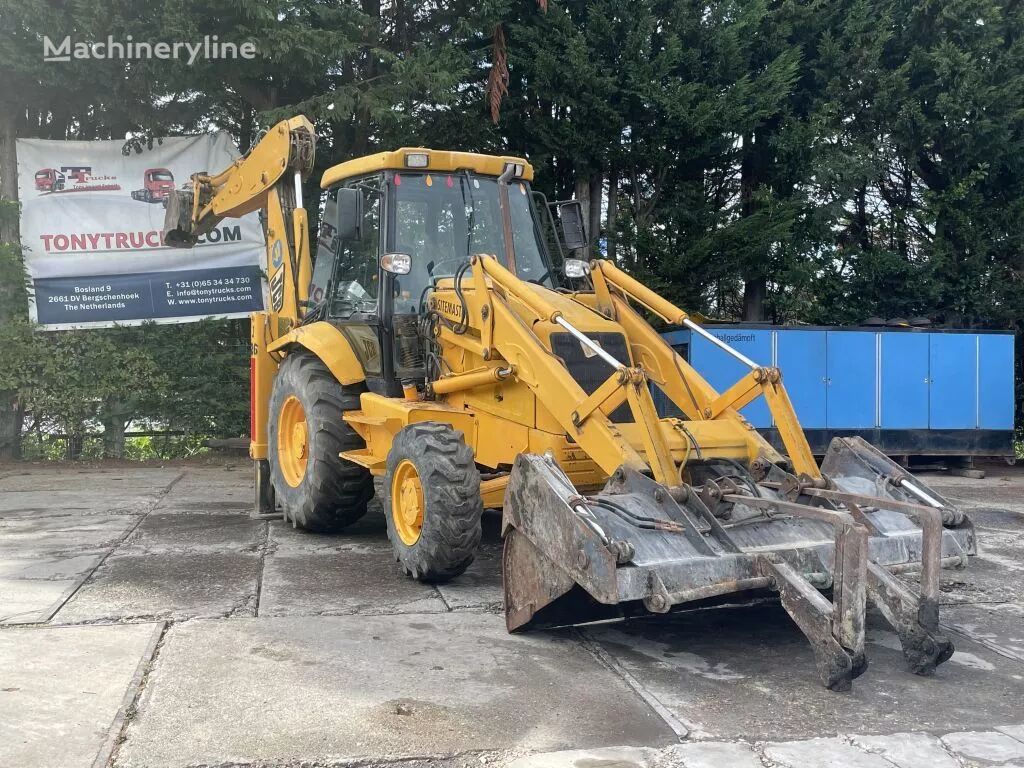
(855, 463)
(915, 620)
(837, 666)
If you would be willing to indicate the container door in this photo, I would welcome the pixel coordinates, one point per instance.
(953, 363)
(722, 370)
(800, 355)
(995, 381)
(904, 381)
(852, 359)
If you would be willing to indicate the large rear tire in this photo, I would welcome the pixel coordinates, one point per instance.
(432, 501)
(317, 490)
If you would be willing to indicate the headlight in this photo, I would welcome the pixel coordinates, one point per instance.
(575, 268)
(417, 160)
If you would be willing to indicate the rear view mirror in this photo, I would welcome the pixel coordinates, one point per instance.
(350, 214)
(573, 229)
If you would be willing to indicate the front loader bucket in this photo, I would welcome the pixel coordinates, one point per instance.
(638, 547)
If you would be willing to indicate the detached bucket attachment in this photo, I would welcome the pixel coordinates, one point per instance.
(638, 547)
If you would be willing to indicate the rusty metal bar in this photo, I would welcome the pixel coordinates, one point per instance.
(879, 502)
(831, 516)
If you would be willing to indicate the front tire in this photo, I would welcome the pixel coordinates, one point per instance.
(317, 490)
(432, 501)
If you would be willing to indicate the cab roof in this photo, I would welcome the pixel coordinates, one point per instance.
(437, 160)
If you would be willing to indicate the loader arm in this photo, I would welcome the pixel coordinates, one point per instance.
(687, 390)
(657, 536)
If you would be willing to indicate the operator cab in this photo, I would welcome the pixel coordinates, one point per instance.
(395, 223)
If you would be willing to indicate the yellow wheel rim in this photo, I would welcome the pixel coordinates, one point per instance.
(292, 441)
(407, 502)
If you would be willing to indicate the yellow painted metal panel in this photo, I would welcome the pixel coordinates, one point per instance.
(438, 160)
(330, 345)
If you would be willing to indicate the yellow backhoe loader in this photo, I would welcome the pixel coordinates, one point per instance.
(435, 343)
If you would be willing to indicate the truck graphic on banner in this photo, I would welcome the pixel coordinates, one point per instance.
(50, 180)
(157, 184)
(97, 258)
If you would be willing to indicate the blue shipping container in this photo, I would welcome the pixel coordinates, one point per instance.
(908, 391)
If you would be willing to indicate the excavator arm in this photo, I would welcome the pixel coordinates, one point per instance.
(269, 178)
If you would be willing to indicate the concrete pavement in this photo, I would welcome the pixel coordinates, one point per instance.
(146, 620)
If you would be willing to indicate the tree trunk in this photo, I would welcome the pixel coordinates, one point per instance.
(113, 438)
(10, 407)
(613, 213)
(754, 294)
(112, 417)
(755, 283)
(583, 196)
(596, 194)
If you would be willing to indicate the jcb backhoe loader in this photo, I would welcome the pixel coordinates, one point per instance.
(434, 343)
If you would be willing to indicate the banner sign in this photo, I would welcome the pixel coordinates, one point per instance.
(92, 221)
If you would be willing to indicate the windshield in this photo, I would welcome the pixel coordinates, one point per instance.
(163, 176)
(443, 219)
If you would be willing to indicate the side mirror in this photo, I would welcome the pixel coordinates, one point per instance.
(396, 263)
(350, 214)
(573, 229)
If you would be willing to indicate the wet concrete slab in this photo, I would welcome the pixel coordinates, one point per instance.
(225, 489)
(83, 491)
(480, 587)
(166, 585)
(997, 626)
(749, 673)
(132, 480)
(368, 534)
(163, 532)
(999, 489)
(24, 601)
(61, 689)
(330, 688)
(984, 580)
(70, 535)
(342, 582)
(43, 560)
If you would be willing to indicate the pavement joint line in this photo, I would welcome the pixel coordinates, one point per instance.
(54, 609)
(683, 730)
(129, 703)
(262, 548)
(170, 486)
(438, 592)
(365, 761)
(982, 641)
